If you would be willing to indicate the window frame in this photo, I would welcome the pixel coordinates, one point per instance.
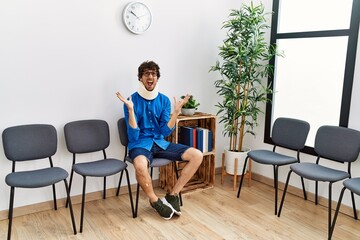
(351, 33)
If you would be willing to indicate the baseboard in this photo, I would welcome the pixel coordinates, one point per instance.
(43, 206)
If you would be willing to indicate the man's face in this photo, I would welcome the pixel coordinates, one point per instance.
(149, 79)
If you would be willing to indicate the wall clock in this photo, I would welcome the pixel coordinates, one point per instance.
(137, 17)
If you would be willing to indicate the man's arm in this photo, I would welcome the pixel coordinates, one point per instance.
(177, 108)
(130, 106)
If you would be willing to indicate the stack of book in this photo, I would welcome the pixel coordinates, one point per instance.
(197, 137)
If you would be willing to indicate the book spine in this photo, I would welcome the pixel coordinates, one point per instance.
(187, 136)
(206, 140)
(199, 139)
(194, 138)
(210, 142)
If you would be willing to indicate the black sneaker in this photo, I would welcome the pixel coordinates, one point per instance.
(173, 202)
(163, 210)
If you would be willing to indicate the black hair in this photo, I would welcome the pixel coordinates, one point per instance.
(148, 65)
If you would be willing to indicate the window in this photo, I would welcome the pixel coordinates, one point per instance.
(313, 81)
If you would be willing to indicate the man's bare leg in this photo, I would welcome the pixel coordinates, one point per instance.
(143, 177)
(194, 158)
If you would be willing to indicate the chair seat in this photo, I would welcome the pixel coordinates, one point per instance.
(317, 172)
(157, 162)
(36, 178)
(100, 168)
(270, 157)
(353, 184)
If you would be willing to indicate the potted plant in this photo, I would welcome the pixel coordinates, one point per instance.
(245, 64)
(189, 107)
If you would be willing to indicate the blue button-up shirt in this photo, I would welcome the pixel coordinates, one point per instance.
(152, 117)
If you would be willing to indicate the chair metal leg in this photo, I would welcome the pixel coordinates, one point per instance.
(54, 196)
(276, 169)
(329, 210)
(242, 176)
(284, 193)
(70, 183)
(316, 192)
(151, 172)
(337, 211)
(303, 186)
(70, 206)
(130, 193)
(177, 177)
(82, 204)
(11, 208)
(136, 200)
(118, 189)
(354, 206)
(104, 191)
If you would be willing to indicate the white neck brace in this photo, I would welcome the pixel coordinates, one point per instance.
(148, 95)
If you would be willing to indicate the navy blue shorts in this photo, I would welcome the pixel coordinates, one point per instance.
(173, 152)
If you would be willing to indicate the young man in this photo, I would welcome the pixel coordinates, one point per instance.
(148, 119)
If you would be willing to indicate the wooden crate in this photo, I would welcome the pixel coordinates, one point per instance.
(205, 175)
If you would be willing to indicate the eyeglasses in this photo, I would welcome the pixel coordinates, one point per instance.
(152, 73)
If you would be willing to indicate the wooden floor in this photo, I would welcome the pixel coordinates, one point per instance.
(209, 214)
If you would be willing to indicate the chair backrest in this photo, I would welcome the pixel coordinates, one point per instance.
(29, 142)
(87, 136)
(290, 133)
(122, 128)
(337, 143)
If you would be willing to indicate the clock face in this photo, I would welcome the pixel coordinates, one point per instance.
(137, 17)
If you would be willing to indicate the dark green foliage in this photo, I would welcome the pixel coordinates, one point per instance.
(191, 103)
(245, 64)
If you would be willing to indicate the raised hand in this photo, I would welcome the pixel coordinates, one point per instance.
(178, 104)
(128, 102)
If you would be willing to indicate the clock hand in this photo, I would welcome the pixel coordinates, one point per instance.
(134, 14)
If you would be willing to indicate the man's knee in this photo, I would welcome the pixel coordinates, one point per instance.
(141, 163)
(193, 155)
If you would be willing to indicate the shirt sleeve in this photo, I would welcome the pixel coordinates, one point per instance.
(165, 117)
(133, 133)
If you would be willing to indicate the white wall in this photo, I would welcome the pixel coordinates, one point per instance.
(64, 60)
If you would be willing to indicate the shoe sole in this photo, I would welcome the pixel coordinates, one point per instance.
(172, 213)
(170, 206)
(165, 217)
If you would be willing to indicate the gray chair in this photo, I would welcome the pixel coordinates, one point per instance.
(353, 184)
(332, 143)
(33, 142)
(286, 133)
(157, 162)
(89, 136)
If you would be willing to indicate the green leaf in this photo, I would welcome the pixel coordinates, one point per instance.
(244, 66)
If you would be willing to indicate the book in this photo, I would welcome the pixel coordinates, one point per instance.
(210, 146)
(200, 138)
(188, 136)
(204, 139)
(194, 138)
